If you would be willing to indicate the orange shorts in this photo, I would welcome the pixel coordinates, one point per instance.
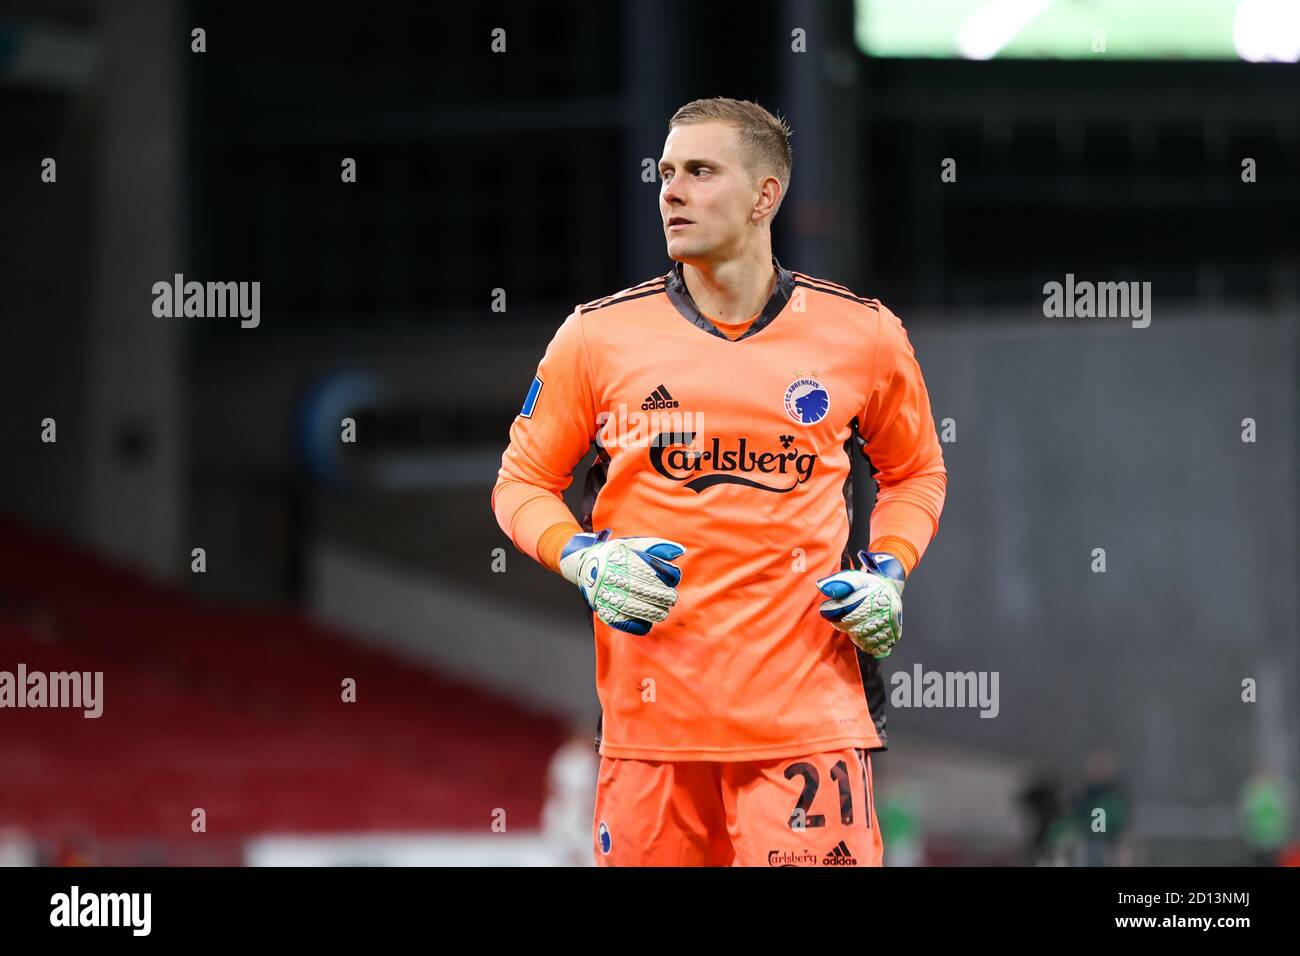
(793, 811)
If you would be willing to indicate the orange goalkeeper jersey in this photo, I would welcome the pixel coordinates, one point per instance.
(739, 450)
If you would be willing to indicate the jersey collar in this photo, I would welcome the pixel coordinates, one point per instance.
(681, 299)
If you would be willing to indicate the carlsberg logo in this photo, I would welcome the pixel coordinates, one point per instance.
(717, 464)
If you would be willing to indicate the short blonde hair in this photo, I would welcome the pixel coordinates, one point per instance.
(762, 140)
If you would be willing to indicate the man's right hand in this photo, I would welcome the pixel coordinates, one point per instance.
(628, 582)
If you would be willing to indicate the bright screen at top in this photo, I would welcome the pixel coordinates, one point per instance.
(1255, 30)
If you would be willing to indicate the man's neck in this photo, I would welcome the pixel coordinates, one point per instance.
(732, 291)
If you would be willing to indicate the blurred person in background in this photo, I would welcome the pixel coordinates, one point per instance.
(899, 813)
(1101, 813)
(16, 848)
(75, 850)
(1043, 802)
(571, 800)
(1265, 813)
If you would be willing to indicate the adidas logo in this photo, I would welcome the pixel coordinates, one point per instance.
(659, 398)
(839, 856)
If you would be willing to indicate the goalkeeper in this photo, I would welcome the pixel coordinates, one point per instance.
(738, 643)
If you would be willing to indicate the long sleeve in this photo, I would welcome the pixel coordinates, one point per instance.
(901, 443)
(549, 436)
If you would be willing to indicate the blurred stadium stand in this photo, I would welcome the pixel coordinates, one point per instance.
(237, 713)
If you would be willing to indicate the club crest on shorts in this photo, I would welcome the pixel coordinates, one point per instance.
(807, 401)
(602, 833)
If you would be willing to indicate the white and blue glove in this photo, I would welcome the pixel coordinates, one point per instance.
(867, 605)
(628, 582)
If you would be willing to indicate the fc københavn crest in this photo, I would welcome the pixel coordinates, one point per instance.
(806, 401)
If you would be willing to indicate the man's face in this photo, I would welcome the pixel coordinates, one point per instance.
(703, 183)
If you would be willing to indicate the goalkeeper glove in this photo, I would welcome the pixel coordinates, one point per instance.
(628, 582)
(867, 605)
